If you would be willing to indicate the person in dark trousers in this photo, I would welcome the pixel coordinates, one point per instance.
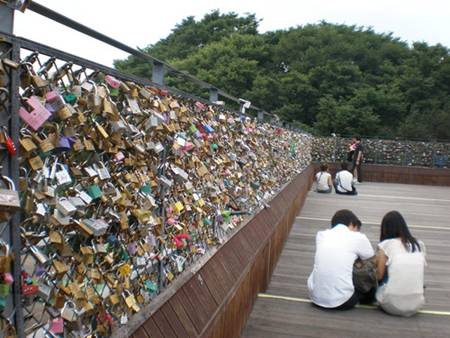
(331, 284)
(357, 157)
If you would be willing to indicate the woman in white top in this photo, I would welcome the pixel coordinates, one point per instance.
(323, 180)
(400, 268)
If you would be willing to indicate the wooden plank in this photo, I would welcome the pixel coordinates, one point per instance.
(175, 323)
(164, 325)
(198, 317)
(183, 317)
(140, 333)
(152, 329)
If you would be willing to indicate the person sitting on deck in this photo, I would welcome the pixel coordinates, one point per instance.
(330, 284)
(343, 182)
(323, 180)
(400, 267)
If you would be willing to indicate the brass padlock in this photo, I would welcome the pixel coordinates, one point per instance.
(9, 199)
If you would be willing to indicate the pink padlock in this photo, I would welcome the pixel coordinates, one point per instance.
(112, 81)
(118, 157)
(54, 100)
(57, 325)
(171, 221)
(38, 114)
(8, 278)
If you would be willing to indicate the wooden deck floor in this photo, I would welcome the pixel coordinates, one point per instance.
(427, 211)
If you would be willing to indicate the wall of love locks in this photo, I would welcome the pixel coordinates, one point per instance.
(379, 151)
(123, 186)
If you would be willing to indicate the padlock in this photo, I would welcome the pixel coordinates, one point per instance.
(130, 300)
(9, 199)
(26, 140)
(5, 258)
(65, 207)
(94, 191)
(53, 101)
(97, 226)
(69, 311)
(102, 171)
(38, 254)
(37, 115)
(29, 77)
(62, 175)
(56, 326)
(9, 143)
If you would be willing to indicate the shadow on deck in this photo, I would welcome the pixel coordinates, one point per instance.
(425, 208)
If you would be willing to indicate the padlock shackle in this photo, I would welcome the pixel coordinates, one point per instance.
(9, 181)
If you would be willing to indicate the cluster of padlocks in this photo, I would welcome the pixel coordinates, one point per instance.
(122, 186)
(379, 151)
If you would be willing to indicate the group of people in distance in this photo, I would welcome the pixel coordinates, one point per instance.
(398, 266)
(345, 179)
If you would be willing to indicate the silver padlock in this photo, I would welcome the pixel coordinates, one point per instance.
(65, 207)
(62, 175)
(69, 311)
(97, 225)
(60, 218)
(102, 171)
(38, 254)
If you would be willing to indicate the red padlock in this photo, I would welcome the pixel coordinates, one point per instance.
(9, 143)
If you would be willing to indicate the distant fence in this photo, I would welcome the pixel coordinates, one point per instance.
(378, 151)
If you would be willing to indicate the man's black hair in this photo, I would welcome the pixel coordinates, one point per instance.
(345, 217)
(344, 166)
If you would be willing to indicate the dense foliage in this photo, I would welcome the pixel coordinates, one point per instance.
(333, 78)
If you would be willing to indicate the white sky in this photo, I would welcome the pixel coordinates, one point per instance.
(139, 23)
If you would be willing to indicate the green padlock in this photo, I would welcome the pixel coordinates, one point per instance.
(4, 290)
(94, 191)
(114, 92)
(146, 189)
(192, 129)
(70, 98)
(226, 216)
(2, 303)
(214, 146)
(150, 286)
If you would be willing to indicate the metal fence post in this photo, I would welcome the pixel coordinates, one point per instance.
(158, 73)
(261, 116)
(10, 231)
(213, 94)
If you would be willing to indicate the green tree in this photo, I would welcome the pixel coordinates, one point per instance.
(332, 78)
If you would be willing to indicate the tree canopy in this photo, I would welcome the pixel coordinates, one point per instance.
(332, 78)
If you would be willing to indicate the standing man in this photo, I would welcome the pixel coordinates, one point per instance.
(330, 284)
(358, 157)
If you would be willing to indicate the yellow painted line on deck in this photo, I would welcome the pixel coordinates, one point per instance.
(423, 227)
(372, 307)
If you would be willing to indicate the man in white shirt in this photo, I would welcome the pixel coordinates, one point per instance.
(331, 283)
(343, 182)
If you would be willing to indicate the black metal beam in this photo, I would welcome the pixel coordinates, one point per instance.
(50, 51)
(55, 16)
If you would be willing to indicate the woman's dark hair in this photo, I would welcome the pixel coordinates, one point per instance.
(345, 217)
(324, 167)
(394, 225)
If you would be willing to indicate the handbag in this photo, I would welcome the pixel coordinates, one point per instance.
(365, 275)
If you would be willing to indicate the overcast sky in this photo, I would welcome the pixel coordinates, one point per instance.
(139, 23)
